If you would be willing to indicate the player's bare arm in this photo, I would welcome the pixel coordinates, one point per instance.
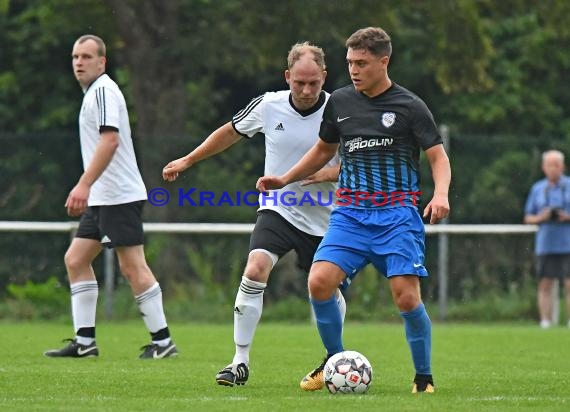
(438, 207)
(309, 164)
(76, 202)
(326, 174)
(218, 141)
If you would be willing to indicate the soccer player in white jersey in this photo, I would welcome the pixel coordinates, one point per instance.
(109, 197)
(290, 121)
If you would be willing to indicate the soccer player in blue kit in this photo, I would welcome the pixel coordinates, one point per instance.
(378, 127)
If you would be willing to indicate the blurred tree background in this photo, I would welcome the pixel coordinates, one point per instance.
(494, 72)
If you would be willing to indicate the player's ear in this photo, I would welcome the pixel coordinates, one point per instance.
(324, 74)
(287, 76)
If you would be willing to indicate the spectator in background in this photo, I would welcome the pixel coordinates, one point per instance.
(548, 205)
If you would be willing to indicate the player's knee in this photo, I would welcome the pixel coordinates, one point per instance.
(407, 301)
(259, 265)
(545, 285)
(73, 263)
(320, 287)
(256, 272)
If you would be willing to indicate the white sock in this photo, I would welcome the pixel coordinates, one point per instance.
(84, 307)
(247, 312)
(150, 305)
(242, 354)
(341, 304)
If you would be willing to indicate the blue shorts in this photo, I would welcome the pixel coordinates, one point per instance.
(391, 239)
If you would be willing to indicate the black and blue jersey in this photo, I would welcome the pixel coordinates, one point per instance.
(380, 140)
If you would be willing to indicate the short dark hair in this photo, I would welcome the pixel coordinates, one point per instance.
(373, 39)
(101, 48)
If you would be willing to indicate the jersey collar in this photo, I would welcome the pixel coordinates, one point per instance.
(315, 108)
(392, 86)
(93, 82)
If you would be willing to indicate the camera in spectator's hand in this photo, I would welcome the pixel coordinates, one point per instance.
(555, 214)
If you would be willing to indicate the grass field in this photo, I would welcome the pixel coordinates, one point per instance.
(476, 368)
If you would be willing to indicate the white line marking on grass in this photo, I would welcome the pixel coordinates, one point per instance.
(519, 398)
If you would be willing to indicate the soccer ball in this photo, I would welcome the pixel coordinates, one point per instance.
(348, 372)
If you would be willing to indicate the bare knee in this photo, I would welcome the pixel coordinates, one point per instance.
(405, 292)
(78, 259)
(407, 301)
(318, 287)
(545, 285)
(324, 279)
(258, 267)
(72, 263)
(255, 271)
(75, 265)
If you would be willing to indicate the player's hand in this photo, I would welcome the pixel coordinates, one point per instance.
(266, 183)
(76, 202)
(437, 208)
(171, 171)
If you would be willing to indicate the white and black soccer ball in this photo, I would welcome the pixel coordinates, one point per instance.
(348, 372)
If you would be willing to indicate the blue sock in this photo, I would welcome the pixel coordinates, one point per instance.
(329, 323)
(418, 335)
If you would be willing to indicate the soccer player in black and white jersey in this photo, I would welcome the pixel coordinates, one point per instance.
(290, 121)
(379, 128)
(109, 197)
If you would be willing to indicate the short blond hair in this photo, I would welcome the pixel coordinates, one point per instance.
(300, 49)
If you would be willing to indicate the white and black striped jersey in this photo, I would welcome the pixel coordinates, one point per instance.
(289, 134)
(104, 108)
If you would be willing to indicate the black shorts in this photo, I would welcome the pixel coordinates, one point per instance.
(553, 266)
(275, 234)
(113, 226)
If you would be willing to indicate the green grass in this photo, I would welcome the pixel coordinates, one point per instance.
(476, 368)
